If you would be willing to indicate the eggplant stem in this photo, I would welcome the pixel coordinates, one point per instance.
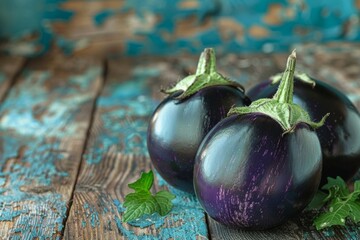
(284, 94)
(281, 107)
(207, 62)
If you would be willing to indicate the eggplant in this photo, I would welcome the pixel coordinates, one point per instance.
(262, 165)
(340, 137)
(181, 121)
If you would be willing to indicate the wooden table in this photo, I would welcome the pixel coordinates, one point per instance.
(73, 130)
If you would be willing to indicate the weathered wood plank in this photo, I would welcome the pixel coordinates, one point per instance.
(289, 231)
(43, 126)
(9, 67)
(116, 155)
(298, 228)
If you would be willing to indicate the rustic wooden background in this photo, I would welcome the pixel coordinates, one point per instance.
(72, 136)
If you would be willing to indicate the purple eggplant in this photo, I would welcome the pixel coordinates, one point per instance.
(262, 165)
(182, 120)
(340, 137)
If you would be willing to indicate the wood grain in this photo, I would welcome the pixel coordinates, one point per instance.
(289, 231)
(43, 126)
(116, 154)
(9, 67)
(295, 229)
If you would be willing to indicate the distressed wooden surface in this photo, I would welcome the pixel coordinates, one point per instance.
(116, 155)
(66, 162)
(298, 228)
(9, 67)
(43, 125)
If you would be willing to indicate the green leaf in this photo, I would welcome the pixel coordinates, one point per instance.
(357, 185)
(144, 182)
(138, 204)
(329, 219)
(183, 85)
(339, 184)
(338, 211)
(136, 196)
(143, 202)
(206, 76)
(354, 211)
(342, 204)
(332, 194)
(163, 198)
(318, 201)
(281, 107)
(299, 75)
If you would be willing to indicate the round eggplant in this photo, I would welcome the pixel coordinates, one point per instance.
(249, 175)
(340, 136)
(182, 120)
(262, 166)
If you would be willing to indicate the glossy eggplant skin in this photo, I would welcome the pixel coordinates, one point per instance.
(249, 175)
(177, 128)
(339, 137)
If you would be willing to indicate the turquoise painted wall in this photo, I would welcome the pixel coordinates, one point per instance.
(191, 25)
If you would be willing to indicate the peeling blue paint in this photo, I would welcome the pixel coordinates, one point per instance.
(2, 181)
(28, 160)
(125, 109)
(320, 21)
(102, 16)
(92, 214)
(166, 9)
(36, 168)
(298, 21)
(35, 112)
(44, 212)
(186, 211)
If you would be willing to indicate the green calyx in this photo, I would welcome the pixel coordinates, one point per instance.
(300, 75)
(205, 76)
(281, 107)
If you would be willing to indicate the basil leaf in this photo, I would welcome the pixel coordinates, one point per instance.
(318, 201)
(341, 204)
(163, 198)
(144, 182)
(143, 202)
